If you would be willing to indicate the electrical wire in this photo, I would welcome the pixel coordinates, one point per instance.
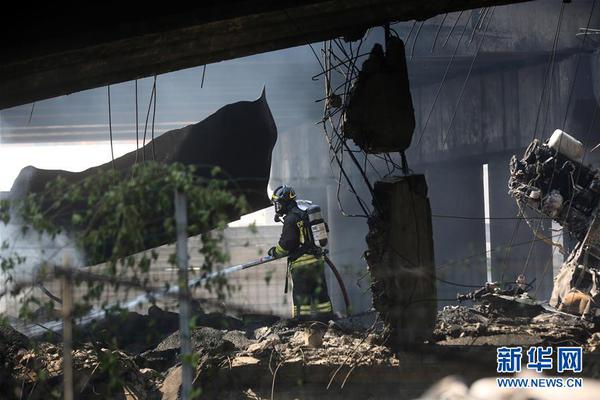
(146, 123)
(112, 153)
(137, 125)
(453, 27)
(153, 117)
(564, 127)
(549, 67)
(462, 89)
(441, 85)
(437, 33)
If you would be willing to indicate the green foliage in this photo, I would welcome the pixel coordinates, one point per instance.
(113, 219)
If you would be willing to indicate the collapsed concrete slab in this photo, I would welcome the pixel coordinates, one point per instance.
(239, 138)
(379, 116)
(400, 259)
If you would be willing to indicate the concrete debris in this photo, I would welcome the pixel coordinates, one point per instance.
(222, 355)
(41, 368)
(215, 140)
(484, 325)
(12, 343)
(296, 360)
(379, 116)
(320, 345)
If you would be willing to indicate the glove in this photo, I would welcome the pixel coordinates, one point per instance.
(272, 251)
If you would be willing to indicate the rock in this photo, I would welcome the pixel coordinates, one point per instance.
(239, 339)
(298, 339)
(171, 386)
(11, 342)
(314, 335)
(244, 360)
(150, 374)
(203, 339)
(267, 343)
(593, 343)
(159, 360)
(133, 332)
(219, 321)
(261, 332)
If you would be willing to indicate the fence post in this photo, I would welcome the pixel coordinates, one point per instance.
(184, 294)
(67, 311)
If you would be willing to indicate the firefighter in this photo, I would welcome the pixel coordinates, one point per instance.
(305, 259)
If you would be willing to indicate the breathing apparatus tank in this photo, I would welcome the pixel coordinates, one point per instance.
(317, 226)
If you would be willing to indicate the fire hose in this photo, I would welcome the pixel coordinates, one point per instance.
(263, 260)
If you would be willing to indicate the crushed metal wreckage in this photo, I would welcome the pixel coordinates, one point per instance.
(552, 180)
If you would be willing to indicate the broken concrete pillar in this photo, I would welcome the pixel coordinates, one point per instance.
(380, 116)
(400, 259)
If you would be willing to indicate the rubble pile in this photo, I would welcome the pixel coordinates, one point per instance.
(479, 325)
(98, 373)
(221, 356)
(319, 345)
(11, 342)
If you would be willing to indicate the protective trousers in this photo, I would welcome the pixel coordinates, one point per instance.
(310, 296)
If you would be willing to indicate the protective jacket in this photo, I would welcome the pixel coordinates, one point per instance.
(295, 242)
(307, 267)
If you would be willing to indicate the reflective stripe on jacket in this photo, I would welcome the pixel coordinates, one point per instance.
(295, 241)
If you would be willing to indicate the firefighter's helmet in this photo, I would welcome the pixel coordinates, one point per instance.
(283, 198)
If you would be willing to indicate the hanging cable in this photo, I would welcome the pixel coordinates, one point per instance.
(412, 49)
(153, 117)
(564, 123)
(439, 89)
(452, 29)
(462, 89)
(146, 123)
(553, 53)
(437, 33)
(112, 153)
(31, 113)
(137, 125)
(482, 15)
(548, 69)
(410, 31)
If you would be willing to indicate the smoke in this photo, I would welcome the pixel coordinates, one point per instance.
(25, 253)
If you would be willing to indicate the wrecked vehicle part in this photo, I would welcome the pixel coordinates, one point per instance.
(552, 180)
(556, 186)
(576, 290)
(492, 288)
(238, 138)
(379, 115)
